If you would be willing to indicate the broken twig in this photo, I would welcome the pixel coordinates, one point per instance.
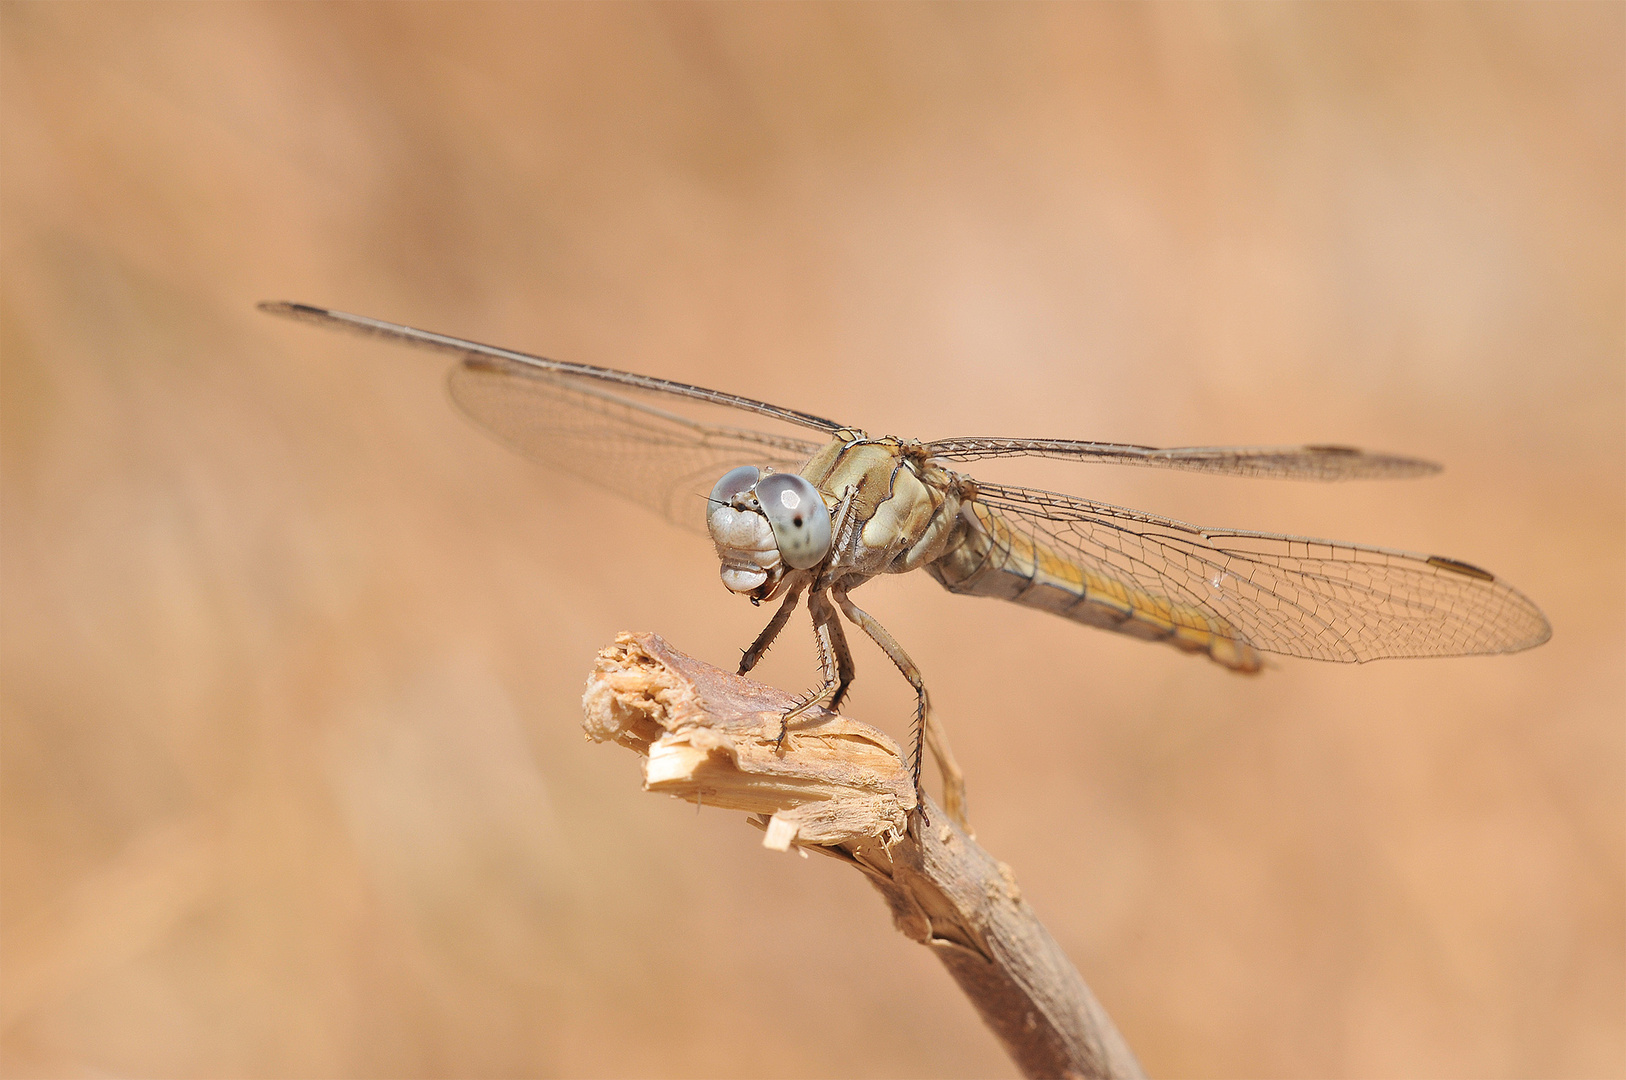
(841, 788)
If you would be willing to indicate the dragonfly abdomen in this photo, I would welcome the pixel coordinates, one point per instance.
(993, 559)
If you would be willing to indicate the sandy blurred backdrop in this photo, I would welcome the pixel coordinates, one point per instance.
(293, 778)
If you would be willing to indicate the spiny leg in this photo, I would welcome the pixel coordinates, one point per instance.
(954, 800)
(927, 729)
(840, 523)
(837, 636)
(835, 659)
(844, 662)
(835, 662)
(759, 647)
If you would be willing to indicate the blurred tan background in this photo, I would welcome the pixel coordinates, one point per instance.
(293, 782)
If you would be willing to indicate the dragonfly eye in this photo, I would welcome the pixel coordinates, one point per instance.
(798, 516)
(734, 482)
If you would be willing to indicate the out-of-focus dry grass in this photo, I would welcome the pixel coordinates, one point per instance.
(292, 778)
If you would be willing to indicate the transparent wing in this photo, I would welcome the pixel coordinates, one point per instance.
(1285, 462)
(654, 456)
(424, 339)
(1294, 595)
(660, 443)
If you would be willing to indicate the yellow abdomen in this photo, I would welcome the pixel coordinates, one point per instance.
(993, 559)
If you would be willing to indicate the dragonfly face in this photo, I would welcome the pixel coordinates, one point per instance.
(764, 526)
(820, 516)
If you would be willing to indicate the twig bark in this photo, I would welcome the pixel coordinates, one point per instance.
(841, 788)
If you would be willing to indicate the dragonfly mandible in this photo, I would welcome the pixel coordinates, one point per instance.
(814, 508)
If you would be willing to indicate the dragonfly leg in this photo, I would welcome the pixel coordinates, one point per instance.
(759, 647)
(835, 660)
(953, 778)
(927, 730)
(844, 661)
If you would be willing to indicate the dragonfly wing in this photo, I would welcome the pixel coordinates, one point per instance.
(460, 347)
(1284, 462)
(1225, 592)
(615, 437)
(658, 442)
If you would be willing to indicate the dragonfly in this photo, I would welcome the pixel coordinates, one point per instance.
(799, 506)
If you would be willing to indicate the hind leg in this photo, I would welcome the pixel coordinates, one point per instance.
(927, 730)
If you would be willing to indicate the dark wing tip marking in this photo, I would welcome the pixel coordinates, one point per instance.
(288, 307)
(1459, 567)
(1403, 466)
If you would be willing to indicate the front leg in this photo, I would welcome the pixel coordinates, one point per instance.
(749, 658)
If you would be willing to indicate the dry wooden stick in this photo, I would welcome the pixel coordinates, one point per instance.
(841, 788)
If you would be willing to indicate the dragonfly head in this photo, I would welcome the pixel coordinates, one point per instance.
(764, 525)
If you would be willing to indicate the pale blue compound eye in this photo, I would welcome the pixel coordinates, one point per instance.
(797, 514)
(734, 482)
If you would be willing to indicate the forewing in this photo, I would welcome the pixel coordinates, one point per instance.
(616, 437)
(658, 442)
(588, 373)
(1294, 595)
(1285, 462)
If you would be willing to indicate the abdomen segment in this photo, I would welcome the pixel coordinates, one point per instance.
(995, 559)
